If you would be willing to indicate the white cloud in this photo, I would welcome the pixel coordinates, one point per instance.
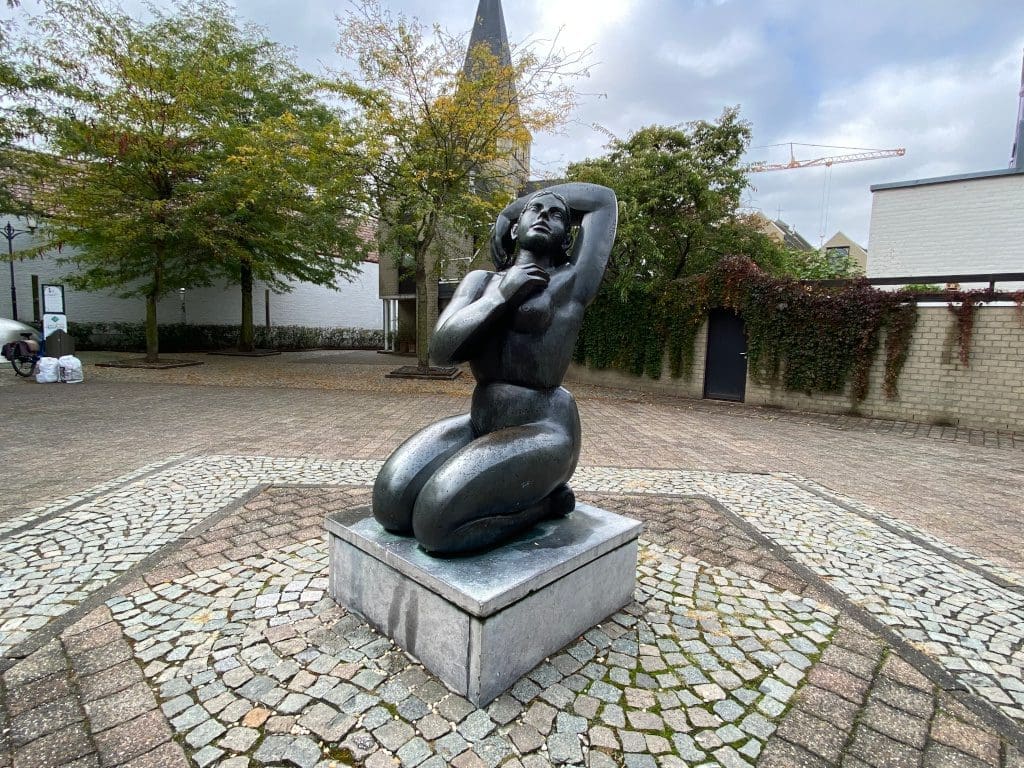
(580, 23)
(719, 57)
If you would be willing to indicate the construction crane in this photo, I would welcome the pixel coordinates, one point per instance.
(859, 154)
(854, 155)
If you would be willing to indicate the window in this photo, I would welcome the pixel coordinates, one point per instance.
(837, 254)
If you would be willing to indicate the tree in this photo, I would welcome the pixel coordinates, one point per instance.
(185, 149)
(285, 201)
(441, 126)
(821, 265)
(679, 191)
(11, 87)
(287, 205)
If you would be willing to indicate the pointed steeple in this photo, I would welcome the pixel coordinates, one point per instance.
(489, 29)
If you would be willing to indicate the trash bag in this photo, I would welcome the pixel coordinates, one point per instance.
(47, 370)
(70, 369)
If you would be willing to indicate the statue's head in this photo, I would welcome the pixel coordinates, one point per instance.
(545, 225)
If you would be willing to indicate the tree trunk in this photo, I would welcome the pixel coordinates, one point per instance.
(152, 332)
(423, 314)
(156, 290)
(247, 335)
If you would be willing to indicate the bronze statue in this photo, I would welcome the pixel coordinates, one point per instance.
(470, 482)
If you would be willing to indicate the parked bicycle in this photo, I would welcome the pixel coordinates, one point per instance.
(23, 354)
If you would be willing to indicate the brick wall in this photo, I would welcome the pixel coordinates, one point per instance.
(933, 388)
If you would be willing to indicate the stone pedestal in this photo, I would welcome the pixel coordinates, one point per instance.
(480, 623)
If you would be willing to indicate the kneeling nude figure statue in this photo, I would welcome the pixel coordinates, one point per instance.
(470, 482)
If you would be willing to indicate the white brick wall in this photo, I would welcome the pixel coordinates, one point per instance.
(973, 225)
(354, 305)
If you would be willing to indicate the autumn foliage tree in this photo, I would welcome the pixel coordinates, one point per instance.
(440, 130)
(185, 149)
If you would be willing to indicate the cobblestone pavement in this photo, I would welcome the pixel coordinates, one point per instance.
(174, 618)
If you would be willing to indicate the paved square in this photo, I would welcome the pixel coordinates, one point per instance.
(175, 612)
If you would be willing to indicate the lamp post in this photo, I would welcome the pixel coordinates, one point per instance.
(10, 233)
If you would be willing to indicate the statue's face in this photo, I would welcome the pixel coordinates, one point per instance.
(544, 222)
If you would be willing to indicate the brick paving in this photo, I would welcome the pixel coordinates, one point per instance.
(774, 622)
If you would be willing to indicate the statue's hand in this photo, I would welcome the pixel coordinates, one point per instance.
(521, 280)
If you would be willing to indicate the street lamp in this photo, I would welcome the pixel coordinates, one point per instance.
(10, 233)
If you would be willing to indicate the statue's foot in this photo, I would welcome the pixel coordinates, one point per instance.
(561, 501)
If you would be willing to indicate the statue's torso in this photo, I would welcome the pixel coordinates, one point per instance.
(534, 345)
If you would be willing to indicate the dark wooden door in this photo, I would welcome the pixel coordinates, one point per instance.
(725, 368)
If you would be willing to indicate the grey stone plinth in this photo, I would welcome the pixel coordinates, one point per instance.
(480, 623)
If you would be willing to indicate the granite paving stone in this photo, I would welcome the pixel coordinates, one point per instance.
(239, 739)
(46, 718)
(132, 738)
(124, 705)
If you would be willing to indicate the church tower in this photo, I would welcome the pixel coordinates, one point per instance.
(489, 30)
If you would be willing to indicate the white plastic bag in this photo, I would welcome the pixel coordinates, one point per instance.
(70, 369)
(47, 370)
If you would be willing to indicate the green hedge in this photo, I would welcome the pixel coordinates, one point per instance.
(178, 337)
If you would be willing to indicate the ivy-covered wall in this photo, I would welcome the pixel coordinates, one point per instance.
(807, 338)
(934, 385)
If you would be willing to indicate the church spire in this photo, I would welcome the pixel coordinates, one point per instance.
(489, 29)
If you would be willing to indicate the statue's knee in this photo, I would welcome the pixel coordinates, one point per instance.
(388, 505)
(433, 519)
(432, 538)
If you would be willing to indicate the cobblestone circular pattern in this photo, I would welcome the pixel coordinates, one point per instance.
(255, 664)
(965, 613)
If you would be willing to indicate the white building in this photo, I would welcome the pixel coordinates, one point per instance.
(952, 225)
(353, 305)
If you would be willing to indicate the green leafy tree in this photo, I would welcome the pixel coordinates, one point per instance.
(12, 86)
(821, 265)
(679, 191)
(285, 200)
(443, 133)
(185, 149)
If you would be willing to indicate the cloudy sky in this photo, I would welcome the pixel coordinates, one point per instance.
(940, 78)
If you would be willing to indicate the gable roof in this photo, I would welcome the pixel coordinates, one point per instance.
(841, 239)
(780, 231)
(791, 237)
